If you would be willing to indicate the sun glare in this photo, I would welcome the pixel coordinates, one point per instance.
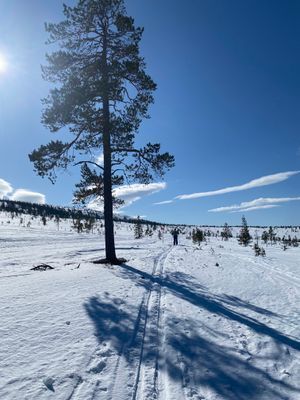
(3, 64)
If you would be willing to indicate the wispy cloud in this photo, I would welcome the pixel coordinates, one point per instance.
(255, 208)
(5, 188)
(29, 196)
(260, 203)
(164, 202)
(263, 181)
(134, 192)
(130, 194)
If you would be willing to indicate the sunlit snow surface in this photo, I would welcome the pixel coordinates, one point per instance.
(172, 323)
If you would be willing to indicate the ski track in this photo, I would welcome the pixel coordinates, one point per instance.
(139, 382)
(145, 386)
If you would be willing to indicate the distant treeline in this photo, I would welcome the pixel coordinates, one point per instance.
(48, 211)
(250, 226)
(45, 210)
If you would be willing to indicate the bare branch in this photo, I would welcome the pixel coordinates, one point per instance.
(89, 162)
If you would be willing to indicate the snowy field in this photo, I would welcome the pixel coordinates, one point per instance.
(174, 323)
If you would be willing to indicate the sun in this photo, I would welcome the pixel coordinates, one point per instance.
(3, 64)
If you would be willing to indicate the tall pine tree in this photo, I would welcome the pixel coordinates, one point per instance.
(102, 94)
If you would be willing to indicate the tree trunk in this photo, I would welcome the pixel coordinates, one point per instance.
(110, 251)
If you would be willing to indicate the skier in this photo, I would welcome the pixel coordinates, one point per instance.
(175, 234)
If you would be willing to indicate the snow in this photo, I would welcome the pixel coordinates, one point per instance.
(185, 322)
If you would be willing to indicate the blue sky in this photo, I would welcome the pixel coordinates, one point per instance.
(227, 107)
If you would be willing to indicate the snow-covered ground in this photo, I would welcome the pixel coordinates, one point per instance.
(174, 323)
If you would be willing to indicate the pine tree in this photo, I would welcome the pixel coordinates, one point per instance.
(78, 225)
(138, 229)
(102, 96)
(149, 231)
(244, 235)
(197, 236)
(226, 233)
(272, 234)
(265, 236)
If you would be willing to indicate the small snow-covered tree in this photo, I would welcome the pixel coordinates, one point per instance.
(44, 220)
(138, 229)
(244, 235)
(272, 234)
(149, 231)
(198, 236)
(78, 225)
(226, 232)
(265, 237)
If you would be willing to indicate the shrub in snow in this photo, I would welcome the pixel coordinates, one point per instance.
(226, 232)
(259, 251)
(197, 236)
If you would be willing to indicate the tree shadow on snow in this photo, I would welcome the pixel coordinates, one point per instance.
(195, 354)
(183, 286)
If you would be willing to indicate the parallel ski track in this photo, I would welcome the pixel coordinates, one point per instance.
(157, 271)
(139, 336)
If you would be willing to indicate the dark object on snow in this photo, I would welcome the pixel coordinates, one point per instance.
(68, 322)
(217, 264)
(41, 267)
(48, 382)
(77, 266)
(117, 261)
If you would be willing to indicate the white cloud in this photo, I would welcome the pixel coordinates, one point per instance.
(7, 191)
(130, 194)
(263, 181)
(134, 192)
(100, 159)
(260, 203)
(5, 188)
(255, 208)
(164, 202)
(29, 196)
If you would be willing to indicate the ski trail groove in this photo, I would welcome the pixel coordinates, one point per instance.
(135, 371)
(145, 386)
